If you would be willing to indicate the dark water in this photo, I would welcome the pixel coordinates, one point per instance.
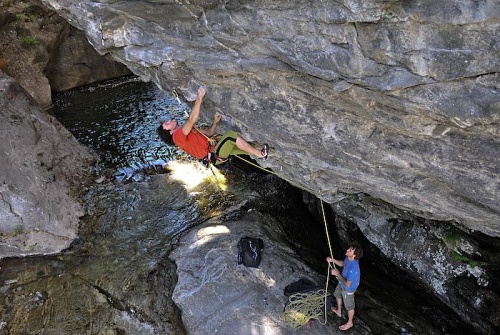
(119, 122)
(116, 278)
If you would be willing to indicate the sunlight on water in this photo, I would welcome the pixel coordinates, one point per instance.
(119, 122)
(192, 175)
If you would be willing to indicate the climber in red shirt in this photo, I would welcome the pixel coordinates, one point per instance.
(198, 142)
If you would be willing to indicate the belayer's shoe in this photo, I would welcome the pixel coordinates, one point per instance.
(265, 151)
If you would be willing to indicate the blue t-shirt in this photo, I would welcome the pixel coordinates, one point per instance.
(352, 273)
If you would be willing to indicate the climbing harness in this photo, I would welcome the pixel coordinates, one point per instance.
(302, 307)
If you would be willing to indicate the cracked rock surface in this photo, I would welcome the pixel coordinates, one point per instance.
(42, 172)
(395, 99)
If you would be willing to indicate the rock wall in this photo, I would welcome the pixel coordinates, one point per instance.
(43, 165)
(44, 53)
(42, 172)
(395, 99)
(458, 268)
(364, 103)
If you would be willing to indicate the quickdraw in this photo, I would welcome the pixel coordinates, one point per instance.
(176, 96)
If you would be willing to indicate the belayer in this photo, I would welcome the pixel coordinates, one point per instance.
(349, 280)
(199, 142)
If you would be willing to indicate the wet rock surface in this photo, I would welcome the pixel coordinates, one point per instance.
(118, 278)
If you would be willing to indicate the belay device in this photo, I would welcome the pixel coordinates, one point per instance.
(249, 251)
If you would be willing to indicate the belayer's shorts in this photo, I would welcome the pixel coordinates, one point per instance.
(347, 297)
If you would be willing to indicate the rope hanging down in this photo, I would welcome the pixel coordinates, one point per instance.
(302, 306)
(305, 306)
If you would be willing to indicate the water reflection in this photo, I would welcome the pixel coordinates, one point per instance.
(119, 123)
(116, 278)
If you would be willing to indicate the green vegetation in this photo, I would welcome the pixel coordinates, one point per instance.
(23, 32)
(455, 256)
(451, 239)
(211, 6)
(18, 230)
(26, 17)
(27, 40)
(32, 17)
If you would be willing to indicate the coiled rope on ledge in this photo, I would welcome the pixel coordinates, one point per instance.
(305, 306)
(302, 306)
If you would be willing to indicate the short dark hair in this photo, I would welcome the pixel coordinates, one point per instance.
(358, 251)
(165, 135)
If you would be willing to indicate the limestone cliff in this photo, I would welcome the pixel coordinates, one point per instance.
(42, 172)
(364, 103)
(43, 53)
(395, 99)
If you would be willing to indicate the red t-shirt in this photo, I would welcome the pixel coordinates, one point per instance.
(195, 143)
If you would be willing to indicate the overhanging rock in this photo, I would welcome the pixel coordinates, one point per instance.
(398, 100)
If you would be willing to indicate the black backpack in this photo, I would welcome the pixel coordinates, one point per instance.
(249, 251)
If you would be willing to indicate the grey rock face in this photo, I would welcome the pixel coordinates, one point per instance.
(42, 169)
(455, 266)
(216, 295)
(44, 53)
(395, 99)
(75, 63)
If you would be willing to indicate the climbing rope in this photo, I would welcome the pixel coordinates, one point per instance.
(277, 175)
(302, 306)
(176, 96)
(305, 306)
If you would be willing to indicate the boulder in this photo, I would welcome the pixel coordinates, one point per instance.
(44, 53)
(42, 173)
(216, 295)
